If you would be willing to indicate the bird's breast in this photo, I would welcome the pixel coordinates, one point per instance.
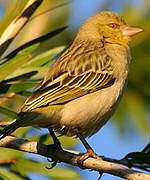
(90, 112)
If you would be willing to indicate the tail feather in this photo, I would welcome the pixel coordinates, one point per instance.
(10, 128)
(25, 119)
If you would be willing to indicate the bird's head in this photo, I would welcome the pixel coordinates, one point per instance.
(109, 27)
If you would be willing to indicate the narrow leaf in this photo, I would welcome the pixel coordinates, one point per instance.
(19, 87)
(6, 175)
(26, 165)
(44, 57)
(8, 112)
(24, 76)
(34, 41)
(8, 67)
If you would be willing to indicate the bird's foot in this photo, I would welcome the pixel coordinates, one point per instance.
(53, 148)
(90, 153)
(100, 175)
(53, 163)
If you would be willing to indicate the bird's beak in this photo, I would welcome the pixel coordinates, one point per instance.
(131, 30)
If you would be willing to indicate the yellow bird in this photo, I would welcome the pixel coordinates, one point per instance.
(83, 88)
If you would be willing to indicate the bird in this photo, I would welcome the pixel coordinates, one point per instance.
(83, 88)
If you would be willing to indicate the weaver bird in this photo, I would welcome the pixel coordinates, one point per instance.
(83, 88)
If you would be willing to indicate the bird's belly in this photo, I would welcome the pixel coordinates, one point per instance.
(89, 113)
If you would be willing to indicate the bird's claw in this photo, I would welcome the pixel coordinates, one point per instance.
(53, 163)
(80, 159)
(100, 175)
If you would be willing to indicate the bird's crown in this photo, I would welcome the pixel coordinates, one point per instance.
(105, 25)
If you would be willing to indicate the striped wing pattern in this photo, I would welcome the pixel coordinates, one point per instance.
(67, 88)
(84, 68)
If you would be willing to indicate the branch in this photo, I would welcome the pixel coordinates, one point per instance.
(6, 123)
(8, 161)
(17, 24)
(69, 157)
(6, 98)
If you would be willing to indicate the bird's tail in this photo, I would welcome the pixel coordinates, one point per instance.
(11, 128)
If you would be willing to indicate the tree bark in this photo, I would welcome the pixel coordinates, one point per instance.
(70, 157)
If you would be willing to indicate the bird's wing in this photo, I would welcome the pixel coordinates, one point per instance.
(69, 85)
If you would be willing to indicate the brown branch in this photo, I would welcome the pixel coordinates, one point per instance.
(8, 161)
(17, 24)
(127, 163)
(6, 98)
(70, 158)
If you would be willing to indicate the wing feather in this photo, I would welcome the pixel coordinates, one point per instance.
(65, 83)
(65, 92)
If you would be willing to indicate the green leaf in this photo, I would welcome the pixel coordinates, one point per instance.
(24, 76)
(43, 58)
(19, 87)
(32, 42)
(10, 66)
(25, 166)
(8, 112)
(21, 132)
(7, 175)
(40, 62)
(47, 139)
(10, 154)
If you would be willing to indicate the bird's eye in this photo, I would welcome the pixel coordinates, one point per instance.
(113, 25)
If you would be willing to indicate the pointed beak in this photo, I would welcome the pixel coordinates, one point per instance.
(131, 30)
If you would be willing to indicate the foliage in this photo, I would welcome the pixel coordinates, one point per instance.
(20, 72)
(139, 160)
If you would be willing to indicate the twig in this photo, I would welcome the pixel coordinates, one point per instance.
(17, 24)
(141, 166)
(5, 98)
(147, 148)
(70, 158)
(6, 123)
(8, 161)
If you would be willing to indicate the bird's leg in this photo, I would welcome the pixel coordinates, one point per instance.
(55, 139)
(55, 146)
(90, 152)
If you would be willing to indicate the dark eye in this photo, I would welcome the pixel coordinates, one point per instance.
(113, 25)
